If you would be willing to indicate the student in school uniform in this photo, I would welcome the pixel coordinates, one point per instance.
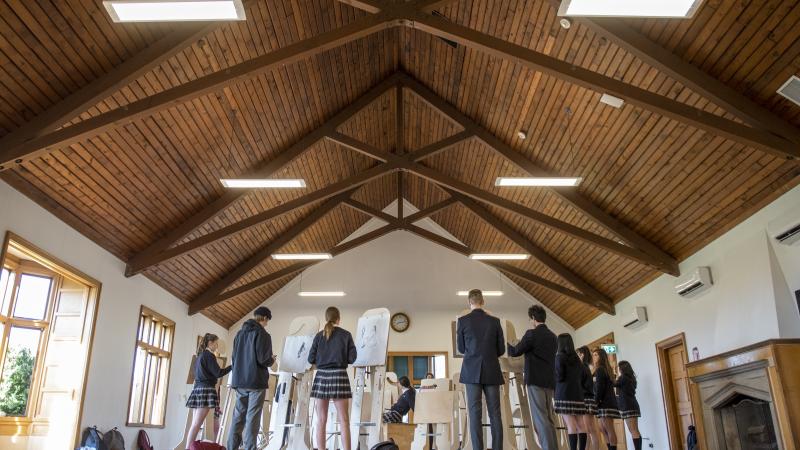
(403, 405)
(592, 437)
(626, 400)
(607, 409)
(332, 351)
(204, 397)
(568, 401)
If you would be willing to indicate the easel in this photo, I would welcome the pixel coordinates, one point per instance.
(391, 393)
(207, 430)
(512, 372)
(432, 413)
(228, 402)
(372, 342)
(293, 391)
(459, 430)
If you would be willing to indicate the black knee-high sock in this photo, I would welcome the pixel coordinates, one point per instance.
(637, 443)
(612, 447)
(573, 441)
(608, 446)
(582, 441)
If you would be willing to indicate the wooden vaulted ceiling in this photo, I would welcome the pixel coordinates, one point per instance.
(670, 181)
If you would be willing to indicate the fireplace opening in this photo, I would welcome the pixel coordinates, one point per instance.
(747, 424)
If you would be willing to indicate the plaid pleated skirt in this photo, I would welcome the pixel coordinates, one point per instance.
(331, 384)
(570, 407)
(591, 405)
(609, 412)
(203, 397)
(630, 413)
(392, 416)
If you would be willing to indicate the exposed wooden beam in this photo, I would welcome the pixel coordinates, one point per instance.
(141, 263)
(370, 6)
(429, 211)
(266, 251)
(500, 202)
(370, 211)
(600, 299)
(491, 45)
(103, 87)
(145, 257)
(399, 118)
(547, 284)
(196, 307)
(400, 212)
(570, 195)
(359, 147)
(440, 146)
(667, 62)
(359, 28)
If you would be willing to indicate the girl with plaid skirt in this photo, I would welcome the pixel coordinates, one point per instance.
(587, 382)
(332, 351)
(403, 405)
(568, 401)
(626, 399)
(607, 409)
(204, 396)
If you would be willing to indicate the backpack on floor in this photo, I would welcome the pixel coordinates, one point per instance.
(386, 445)
(113, 440)
(143, 441)
(205, 445)
(92, 439)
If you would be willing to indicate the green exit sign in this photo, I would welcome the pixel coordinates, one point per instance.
(609, 348)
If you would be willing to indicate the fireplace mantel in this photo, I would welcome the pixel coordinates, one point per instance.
(770, 368)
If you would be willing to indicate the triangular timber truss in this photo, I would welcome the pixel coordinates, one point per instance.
(760, 129)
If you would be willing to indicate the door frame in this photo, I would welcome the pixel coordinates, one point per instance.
(676, 436)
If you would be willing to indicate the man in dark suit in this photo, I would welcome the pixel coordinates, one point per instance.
(539, 347)
(480, 340)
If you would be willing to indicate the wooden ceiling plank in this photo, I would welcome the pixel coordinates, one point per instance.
(600, 299)
(100, 89)
(298, 51)
(491, 45)
(503, 203)
(264, 171)
(138, 264)
(198, 306)
(266, 251)
(666, 262)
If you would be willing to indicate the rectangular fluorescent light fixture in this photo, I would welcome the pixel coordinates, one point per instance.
(610, 100)
(499, 256)
(174, 10)
(321, 294)
(485, 293)
(537, 181)
(241, 183)
(293, 256)
(629, 8)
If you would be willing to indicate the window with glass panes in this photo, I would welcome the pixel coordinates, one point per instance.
(27, 290)
(151, 365)
(416, 365)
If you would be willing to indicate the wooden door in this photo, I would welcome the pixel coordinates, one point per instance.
(672, 360)
(62, 377)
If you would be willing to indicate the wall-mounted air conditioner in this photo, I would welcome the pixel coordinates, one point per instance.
(698, 281)
(785, 230)
(637, 318)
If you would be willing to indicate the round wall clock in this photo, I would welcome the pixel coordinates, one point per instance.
(400, 322)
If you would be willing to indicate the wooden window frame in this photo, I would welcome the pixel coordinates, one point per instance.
(160, 352)
(412, 354)
(17, 426)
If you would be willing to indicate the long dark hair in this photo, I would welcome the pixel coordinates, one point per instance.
(586, 355)
(567, 348)
(207, 339)
(626, 369)
(602, 363)
(332, 316)
(405, 382)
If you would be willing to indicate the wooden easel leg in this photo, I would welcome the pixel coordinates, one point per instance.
(525, 413)
(182, 444)
(378, 378)
(283, 393)
(299, 436)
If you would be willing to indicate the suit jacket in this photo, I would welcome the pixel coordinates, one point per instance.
(480, 339)
(539, 347)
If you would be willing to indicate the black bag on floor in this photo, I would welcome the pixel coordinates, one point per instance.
(114, 440)
(386, 445)
(92, 439)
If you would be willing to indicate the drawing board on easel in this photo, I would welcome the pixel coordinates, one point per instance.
(372, 338)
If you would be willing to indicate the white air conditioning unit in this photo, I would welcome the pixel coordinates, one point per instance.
(697, 282)
(786, 230)
(637, 318)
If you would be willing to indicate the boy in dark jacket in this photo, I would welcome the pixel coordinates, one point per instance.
(251, 358)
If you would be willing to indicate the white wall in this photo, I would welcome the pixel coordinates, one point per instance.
(109, 379)
(748, 303)
(404, 273)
